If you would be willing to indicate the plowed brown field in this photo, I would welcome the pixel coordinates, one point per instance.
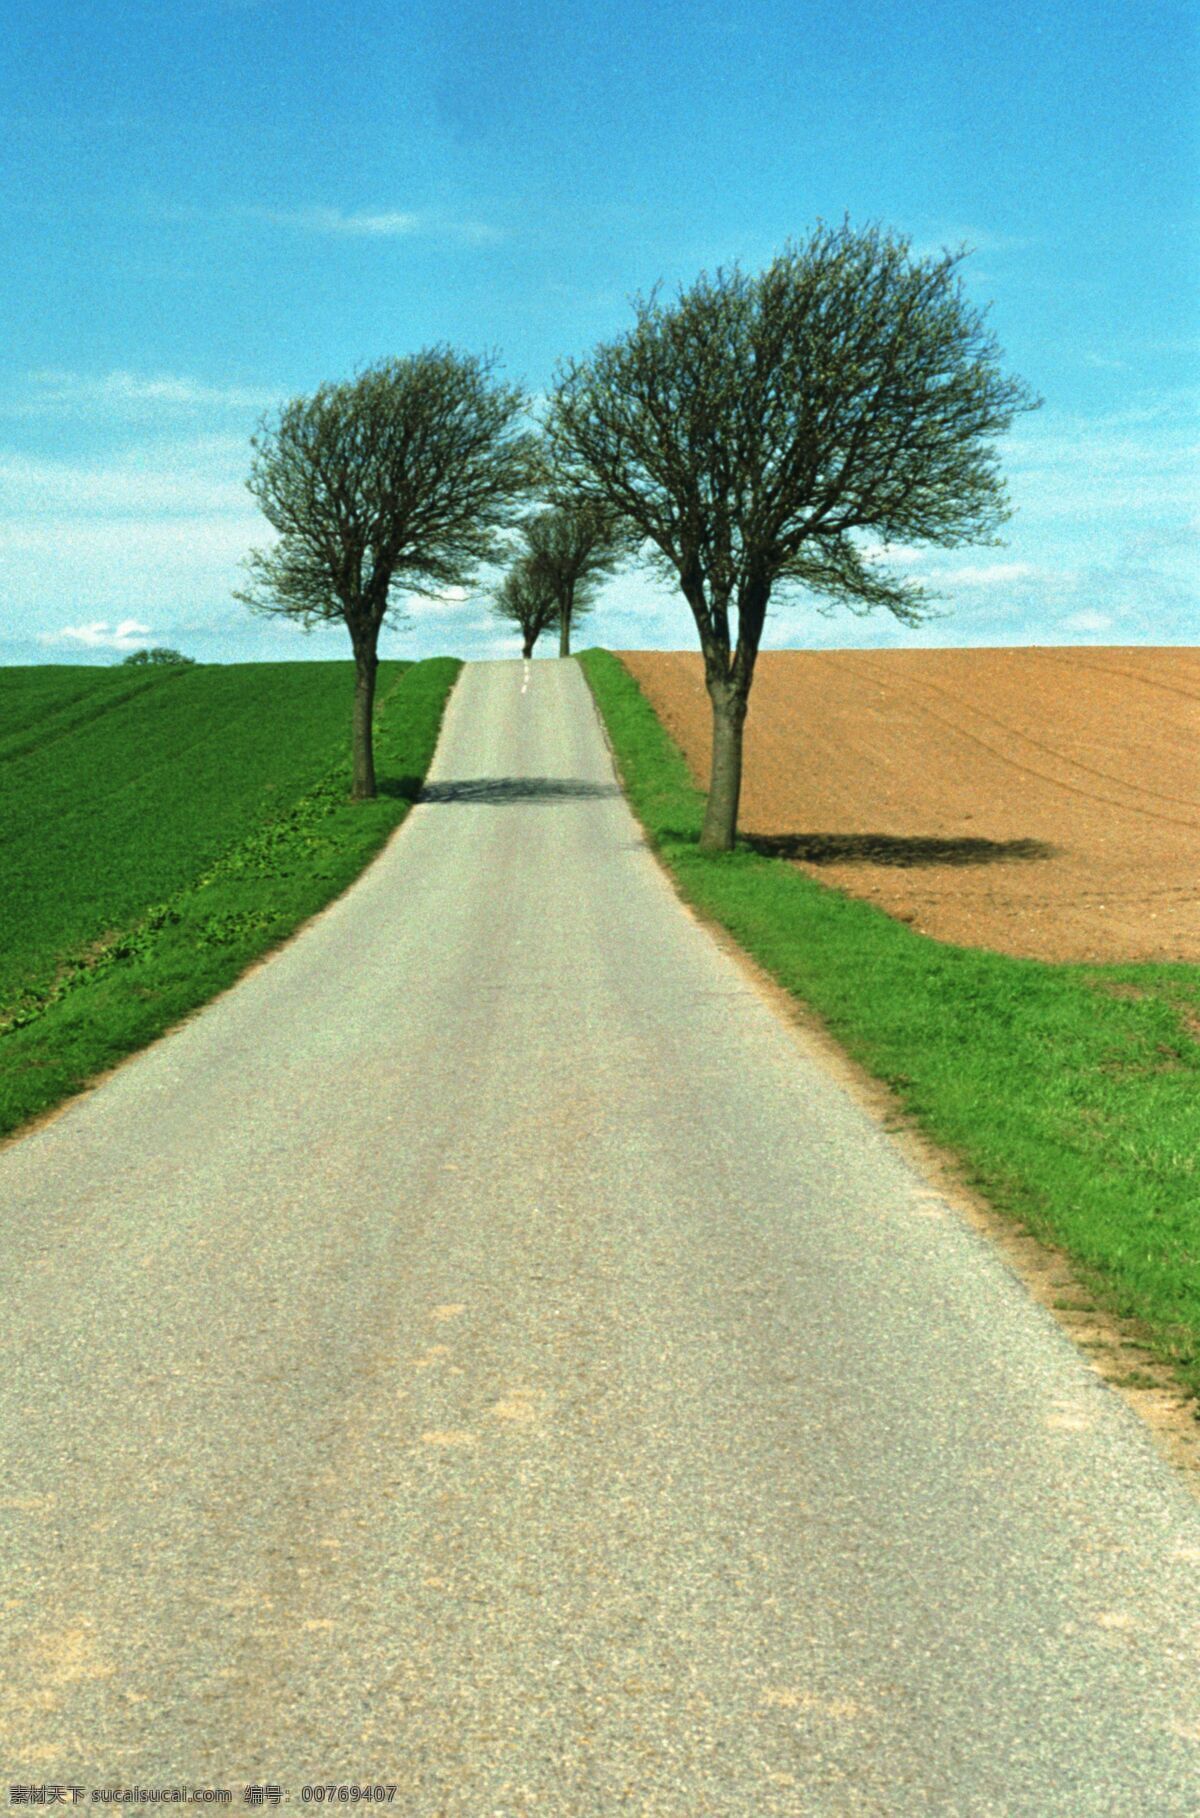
(1039, 802)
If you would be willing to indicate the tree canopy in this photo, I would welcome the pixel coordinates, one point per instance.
(526, 597)
(159, 657)
(765, 430)
(572, 546)
(395, 482)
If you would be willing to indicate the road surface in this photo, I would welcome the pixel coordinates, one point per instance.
(484, 1354)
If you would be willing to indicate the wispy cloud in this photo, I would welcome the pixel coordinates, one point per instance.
(896, 555)
(447, 602)
(158, 528)
(383, 224)
(1142, 459)
(990, 574)
(1087, 621)
(120, 565)
(127, 634)
(203, 476)
(372, 224)
(976, 239)
(130, 393)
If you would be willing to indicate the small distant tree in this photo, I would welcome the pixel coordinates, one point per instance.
(574, 545)
(160, 656)
(526, 598)
(398, 480)
(756, 430)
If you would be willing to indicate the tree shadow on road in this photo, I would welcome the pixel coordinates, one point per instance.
(501, 790)
(894, 849)
(404, 788)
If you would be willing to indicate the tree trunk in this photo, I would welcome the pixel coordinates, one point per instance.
(564, 623)
(527, 649)
(725, 784)
(365, 665)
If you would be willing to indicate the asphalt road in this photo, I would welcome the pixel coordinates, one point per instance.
(484, 1353)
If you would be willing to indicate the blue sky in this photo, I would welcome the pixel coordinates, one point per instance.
(216, 204)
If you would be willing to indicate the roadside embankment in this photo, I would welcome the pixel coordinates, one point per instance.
(1065, 1094)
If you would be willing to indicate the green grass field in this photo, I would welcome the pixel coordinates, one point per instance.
(160, 830)
(1069, 1094)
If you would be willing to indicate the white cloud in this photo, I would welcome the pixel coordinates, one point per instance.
(474, 233)
(992, 574)
(446, 600)
(975, 239)
(128, 634)
(896, 555)
(122, 390)
(385, 223)
(1087, 621)
(1141, 461)
(489, 642)
(204, 476)
(372, 224)
(118, 566)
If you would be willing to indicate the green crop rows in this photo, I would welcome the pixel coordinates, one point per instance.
(159, 832)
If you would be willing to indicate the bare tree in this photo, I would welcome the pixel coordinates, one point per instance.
(755, 430)
(574, 545)
(526, 597)
(396, 481)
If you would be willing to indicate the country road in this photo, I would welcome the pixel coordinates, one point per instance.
(486, 1353)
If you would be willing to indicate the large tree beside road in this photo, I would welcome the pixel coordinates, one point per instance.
(758, 431)
(395, 482)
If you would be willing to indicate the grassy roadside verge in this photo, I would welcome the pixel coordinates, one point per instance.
(174, 955)
(1068, 1094)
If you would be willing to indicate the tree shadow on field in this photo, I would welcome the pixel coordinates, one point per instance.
(498, 791)
(901, 850)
